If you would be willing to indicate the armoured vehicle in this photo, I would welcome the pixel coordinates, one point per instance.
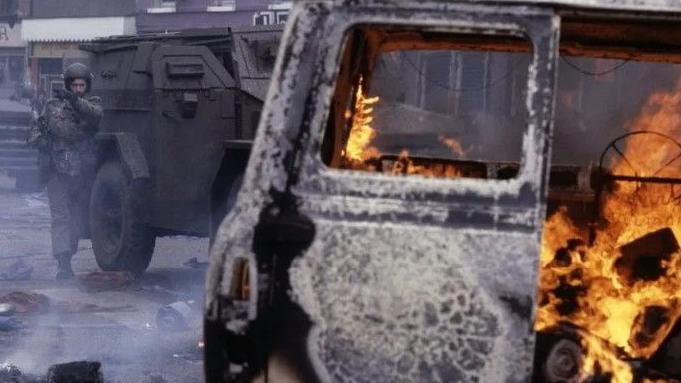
(458, 191)
(180, 111)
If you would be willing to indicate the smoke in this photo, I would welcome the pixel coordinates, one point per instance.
(116, 327)
(6, 182)
(478, 99)
(127, 353)
(596, 100)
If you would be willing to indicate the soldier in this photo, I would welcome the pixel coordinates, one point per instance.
(65, 135)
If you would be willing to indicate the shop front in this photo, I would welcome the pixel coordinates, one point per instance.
(12, 59)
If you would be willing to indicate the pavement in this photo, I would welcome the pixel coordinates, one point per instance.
(115, 326)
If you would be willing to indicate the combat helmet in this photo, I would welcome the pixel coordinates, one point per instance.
(77, 70)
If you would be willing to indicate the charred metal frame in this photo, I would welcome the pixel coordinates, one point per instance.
(296, 221)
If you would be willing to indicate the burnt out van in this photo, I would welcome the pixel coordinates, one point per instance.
(456, 191)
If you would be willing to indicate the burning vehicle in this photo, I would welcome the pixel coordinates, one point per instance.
(459, 192)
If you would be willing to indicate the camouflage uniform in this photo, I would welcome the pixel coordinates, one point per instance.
(65, 135)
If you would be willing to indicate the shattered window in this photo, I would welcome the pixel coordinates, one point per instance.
(434, 104)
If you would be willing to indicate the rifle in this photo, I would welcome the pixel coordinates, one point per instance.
(39, 137)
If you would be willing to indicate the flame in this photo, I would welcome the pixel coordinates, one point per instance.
(600, 301)
(583, 287)
(405, 165)
(454, 145)
(358, 153)
(600, 358)
(581, 284)
(358, 150)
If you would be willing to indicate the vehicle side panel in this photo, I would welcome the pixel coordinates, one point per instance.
(190, 113)
(401, 279)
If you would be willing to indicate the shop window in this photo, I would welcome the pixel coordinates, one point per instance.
(221, 5)
(282, 17)
(263, 18)
(164, 3)
(162, 6)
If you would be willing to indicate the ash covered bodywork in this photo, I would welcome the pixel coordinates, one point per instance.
(329, 270)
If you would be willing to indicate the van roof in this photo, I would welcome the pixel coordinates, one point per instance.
(667, 6)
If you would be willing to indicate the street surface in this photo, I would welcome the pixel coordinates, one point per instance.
(115, 326)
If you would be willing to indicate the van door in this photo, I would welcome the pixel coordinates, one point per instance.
(389, 225)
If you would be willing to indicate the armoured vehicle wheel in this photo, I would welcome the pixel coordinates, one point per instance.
(120, 240)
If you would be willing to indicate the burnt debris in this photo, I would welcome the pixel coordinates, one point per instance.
(9, 373)
(106, 280)
(648, 324)
(575, 249)
(26, 303)
(75, 372)
(644, 258)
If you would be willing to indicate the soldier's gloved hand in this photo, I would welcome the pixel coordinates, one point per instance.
(65, 94)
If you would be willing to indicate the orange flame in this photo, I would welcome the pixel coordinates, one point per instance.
(358, 149)
(359, 152)
(452, 144)
(405, 165)
(607, 305)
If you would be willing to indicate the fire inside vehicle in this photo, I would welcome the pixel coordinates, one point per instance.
(458, 192)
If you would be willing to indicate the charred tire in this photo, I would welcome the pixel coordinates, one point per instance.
(120, 238)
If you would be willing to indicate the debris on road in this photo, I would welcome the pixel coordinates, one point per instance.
(75, 372)
(165, 292)
(7, 309)
(26, 303)
(156, 379)
(78, 307)
(105, 280)
(10, 324)
(9, 373)
(17, 271)
(195, 264)
(174, 317)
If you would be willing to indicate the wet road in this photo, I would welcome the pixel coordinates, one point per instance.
(115, 326)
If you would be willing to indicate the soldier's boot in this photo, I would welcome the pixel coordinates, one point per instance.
(64, 270)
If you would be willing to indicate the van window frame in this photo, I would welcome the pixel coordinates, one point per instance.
(538, 26)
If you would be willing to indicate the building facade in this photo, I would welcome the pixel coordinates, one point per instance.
(12, 58)
(155, 16)
(54, 28)
(47, 30)
(12, 47)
